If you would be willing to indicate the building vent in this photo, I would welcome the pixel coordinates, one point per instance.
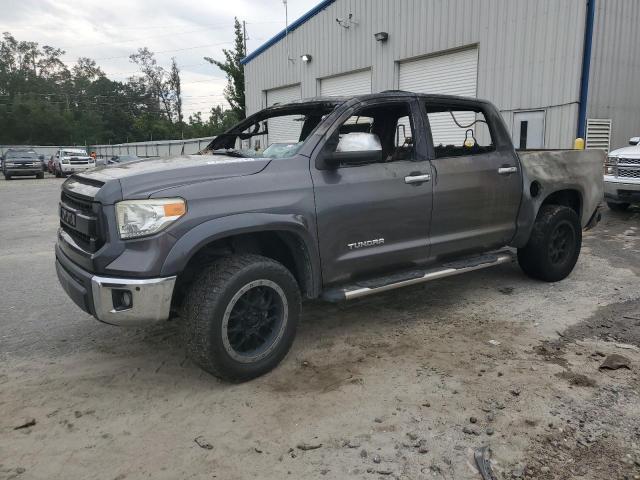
(598, 133)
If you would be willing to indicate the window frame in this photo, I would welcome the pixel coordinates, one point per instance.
(460, 105)
(415, 118)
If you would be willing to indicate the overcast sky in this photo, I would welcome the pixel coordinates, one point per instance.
(109, 31)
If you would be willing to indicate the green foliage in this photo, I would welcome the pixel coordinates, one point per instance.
(234, 91)
(44, 102)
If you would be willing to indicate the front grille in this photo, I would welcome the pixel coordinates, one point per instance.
(86, 206)
(628, 172)
(628, 161)
(86, 232)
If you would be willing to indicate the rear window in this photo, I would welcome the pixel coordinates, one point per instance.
(458, 131)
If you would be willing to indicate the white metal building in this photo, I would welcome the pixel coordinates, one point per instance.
(557, 69)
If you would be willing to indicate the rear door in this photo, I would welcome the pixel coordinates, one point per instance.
(477, 179)
(373, 215)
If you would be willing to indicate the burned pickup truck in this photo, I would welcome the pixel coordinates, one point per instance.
(331, 198)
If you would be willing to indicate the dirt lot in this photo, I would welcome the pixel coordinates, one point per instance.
(405, 385)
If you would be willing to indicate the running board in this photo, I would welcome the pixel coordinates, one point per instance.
(413, 277)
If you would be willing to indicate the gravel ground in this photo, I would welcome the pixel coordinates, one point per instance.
(404, 385)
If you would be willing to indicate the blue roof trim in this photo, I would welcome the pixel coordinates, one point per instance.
(303, 19)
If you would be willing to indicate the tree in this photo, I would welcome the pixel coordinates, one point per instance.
(164, 86)
(234, 91)
(174, 83)
(44, 102)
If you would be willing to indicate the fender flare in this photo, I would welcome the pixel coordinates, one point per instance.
(531, 206)
(216, 229)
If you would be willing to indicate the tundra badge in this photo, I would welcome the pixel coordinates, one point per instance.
(366, 243)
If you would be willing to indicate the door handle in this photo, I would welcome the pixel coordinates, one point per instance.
(417, 178)
(507, 170)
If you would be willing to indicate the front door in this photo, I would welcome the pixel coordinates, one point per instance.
(477, 180)
(374, 207)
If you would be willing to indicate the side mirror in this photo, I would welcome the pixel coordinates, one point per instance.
(634, 140)
(351, 149)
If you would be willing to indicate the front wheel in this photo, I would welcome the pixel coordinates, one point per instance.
(240, 316)
(554, 246)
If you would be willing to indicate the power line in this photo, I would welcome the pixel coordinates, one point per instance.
(166, 51)
(136, 39)
(33, 26)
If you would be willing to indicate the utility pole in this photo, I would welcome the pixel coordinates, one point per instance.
(244, 36)
(286, 28)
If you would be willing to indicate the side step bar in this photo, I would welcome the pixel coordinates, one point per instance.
(413, 277)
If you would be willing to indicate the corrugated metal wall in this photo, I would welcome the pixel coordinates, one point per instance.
(530, 52)
(614, 82)
(159, 148)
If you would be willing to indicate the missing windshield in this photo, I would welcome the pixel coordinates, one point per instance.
(277, 132)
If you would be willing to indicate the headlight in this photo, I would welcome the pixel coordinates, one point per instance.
(612, 161)
(65, 160)
(138, 218)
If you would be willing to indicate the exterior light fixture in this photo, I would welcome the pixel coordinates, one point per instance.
(381, 36)
(306, 58)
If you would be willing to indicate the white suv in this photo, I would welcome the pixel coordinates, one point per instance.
(622, 176)
(71, 160)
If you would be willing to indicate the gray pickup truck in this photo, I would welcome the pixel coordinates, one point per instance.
(331, 198)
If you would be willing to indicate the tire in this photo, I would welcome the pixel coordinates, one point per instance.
(40, 176)
(618, 207)
(224, 310)
(554, 246)
(7, 177)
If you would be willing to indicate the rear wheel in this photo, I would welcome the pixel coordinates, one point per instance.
(618, 207)
(240, 316)
(554, 246)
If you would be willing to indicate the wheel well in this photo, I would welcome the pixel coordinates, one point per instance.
(281, 246)
(568, 198)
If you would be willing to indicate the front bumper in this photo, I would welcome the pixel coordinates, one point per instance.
(621, 190)
(17, 172)
(102, 297)
(74, 168)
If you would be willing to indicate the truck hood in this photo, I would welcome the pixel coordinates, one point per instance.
(141, 178)
(628, 152)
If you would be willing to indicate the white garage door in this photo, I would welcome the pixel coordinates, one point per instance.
(283, 130)
(355, 83)
(451, 74)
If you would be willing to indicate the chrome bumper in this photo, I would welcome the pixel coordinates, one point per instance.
(621, 189)
(150, 299)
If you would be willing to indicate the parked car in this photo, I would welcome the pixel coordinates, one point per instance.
(71, 160)
(51, 164)
(372, 193)
(43, 163)
(622, 176)
(21, 163)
